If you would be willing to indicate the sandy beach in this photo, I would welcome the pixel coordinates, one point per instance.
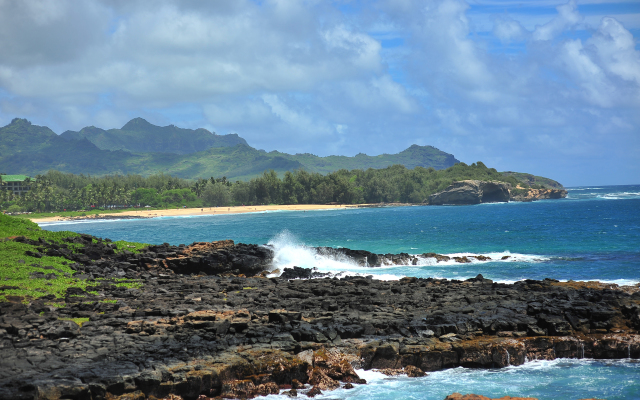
(206, 211)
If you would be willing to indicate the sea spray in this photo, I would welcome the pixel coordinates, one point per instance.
(561, 379)
(289, 251)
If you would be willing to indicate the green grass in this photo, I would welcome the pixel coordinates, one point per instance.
(14, 226)
(73, 213)
(16, 268)
(133, 247)
(89, 213)
(78, 321)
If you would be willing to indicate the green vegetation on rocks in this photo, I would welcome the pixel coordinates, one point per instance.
(533, 181)
(26, 274)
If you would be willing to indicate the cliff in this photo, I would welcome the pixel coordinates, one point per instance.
(537, 194)
(472, 192)
(476, 192)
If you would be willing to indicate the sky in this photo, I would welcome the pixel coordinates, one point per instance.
(540, 86)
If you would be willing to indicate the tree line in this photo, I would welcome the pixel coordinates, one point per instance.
(57, 191)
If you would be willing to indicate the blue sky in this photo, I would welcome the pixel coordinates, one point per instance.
(547, 87)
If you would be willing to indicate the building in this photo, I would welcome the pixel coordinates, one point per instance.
(18, 184)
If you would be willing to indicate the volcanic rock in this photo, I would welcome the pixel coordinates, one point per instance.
(472, 192)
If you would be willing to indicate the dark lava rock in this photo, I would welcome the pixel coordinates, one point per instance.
(216, 334)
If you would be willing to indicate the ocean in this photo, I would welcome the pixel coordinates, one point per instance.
(593, 234)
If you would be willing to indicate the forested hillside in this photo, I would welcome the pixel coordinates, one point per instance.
(31, 150)
(57, 191)
(140, 136)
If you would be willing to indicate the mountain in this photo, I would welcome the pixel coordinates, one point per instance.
(30, 149)
(140, 136)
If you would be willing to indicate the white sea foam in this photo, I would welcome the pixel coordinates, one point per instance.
(494, 257)
(371, 376)
(81, 221)
(289, 251)
(619, 282)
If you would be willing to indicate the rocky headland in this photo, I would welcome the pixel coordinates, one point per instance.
(207, 322)
(475, 192)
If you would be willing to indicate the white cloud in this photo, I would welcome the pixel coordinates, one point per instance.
(587, 73)
(615, 47)
(508, 30)
(512, 87)
(568, 17)
(298, 120)
(361, 49)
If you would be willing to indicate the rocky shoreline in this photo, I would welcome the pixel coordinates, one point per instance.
(476, 192)
(208, 322)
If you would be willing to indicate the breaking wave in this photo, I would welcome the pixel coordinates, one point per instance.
(291, 252)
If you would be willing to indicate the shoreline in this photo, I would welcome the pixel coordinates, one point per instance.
(203, 326)
(194, 212)
(205, 322)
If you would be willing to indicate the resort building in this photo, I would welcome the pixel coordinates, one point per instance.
(18, 184)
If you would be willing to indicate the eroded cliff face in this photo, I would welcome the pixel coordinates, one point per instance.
(472, 192)
(539, 194)
(476, 192)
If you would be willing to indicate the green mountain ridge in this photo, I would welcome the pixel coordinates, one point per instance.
(140, 136)
(31, 150)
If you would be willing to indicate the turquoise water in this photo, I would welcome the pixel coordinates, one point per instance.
(549, 380)
(593, 234)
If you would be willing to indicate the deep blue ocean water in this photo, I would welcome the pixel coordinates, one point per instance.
(593, 234)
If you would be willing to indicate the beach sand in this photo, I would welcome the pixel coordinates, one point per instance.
(207, 211)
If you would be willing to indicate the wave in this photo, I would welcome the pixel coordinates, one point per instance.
(541, 377)
(603, 196)
(478, 258)
(291, 252)
(619, 282)
(82, 221)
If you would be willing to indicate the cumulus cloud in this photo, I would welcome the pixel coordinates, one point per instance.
(508, 29)
(615, 48)
(568, 17)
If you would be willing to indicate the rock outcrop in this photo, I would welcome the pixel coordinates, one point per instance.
(242, 337)
(191, 335)
(472, 192)
(368, 259)
(98, 258)
(458, 396)
(476, 192)
(538, 194)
